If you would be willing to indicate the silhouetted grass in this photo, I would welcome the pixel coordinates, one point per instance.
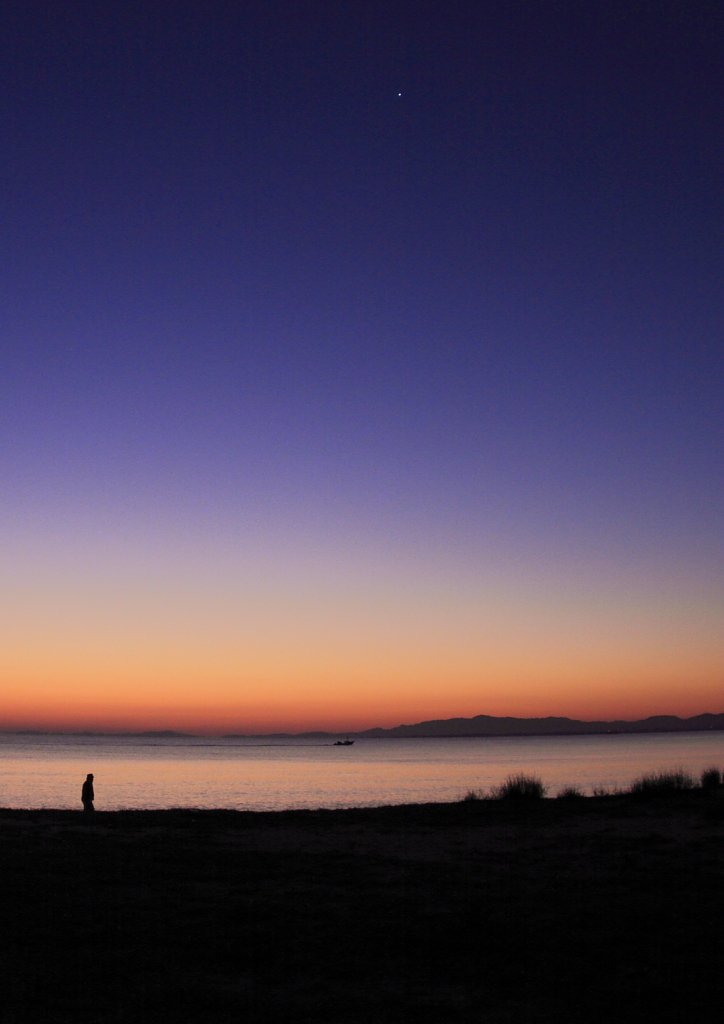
(662, 783)
(666, 782)
(571, 793)
(710, 778)
(520, 787)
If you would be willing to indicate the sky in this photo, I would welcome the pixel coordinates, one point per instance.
(361, 363)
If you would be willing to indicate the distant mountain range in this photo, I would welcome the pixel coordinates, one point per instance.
(486, 725)
(480, 725)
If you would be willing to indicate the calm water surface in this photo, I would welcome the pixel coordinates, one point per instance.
(144, 772)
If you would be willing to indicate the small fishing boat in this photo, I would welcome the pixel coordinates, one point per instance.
(343, 743)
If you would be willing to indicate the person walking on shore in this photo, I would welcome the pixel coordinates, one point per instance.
(87, 795)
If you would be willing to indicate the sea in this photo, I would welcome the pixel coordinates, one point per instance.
(151, 772)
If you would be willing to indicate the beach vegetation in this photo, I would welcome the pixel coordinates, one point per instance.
(662, 783)
(570, 793)
(473, 795)
(711, 778)
(520, 787)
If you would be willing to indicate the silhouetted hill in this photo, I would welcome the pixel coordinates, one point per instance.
(280, 735)
(153, 734)
(487, 725)
(480, 725)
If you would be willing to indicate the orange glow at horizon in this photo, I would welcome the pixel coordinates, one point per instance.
(123, 640)
(261, 706)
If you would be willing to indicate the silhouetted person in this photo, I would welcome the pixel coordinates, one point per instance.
(87, 795)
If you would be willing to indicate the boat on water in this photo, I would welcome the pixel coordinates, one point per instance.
(343, 743)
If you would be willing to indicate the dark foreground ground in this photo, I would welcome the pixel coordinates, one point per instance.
(604, 909)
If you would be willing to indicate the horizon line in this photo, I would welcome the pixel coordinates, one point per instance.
(373, 732)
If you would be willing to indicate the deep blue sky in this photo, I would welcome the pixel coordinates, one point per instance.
(425, 273)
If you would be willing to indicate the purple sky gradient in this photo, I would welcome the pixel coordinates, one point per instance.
(253, 299)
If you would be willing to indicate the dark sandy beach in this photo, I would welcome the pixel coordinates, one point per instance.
(604, 909)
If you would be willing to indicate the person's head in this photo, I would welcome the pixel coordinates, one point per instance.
(89, 777)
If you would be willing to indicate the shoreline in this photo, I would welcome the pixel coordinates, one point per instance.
(473, 803)
(521, 792)
(504, 911)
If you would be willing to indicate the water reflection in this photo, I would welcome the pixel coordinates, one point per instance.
(141, 772)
